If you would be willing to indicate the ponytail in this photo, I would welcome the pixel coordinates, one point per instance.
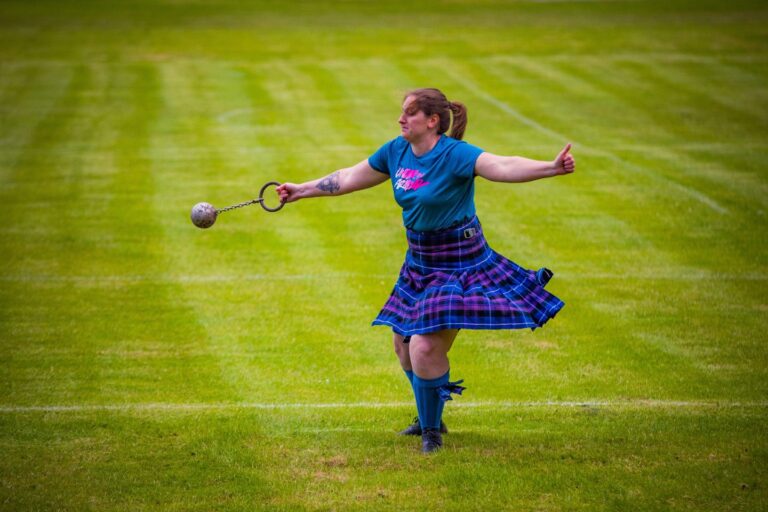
(458, 113)
(452, 114)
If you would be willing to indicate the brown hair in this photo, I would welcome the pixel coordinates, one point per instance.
(452, 114)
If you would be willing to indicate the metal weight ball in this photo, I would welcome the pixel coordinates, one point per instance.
(203, 215)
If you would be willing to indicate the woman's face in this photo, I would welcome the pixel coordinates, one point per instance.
(414, 124)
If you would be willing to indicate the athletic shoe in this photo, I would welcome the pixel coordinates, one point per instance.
(414, 429)
(431, 440)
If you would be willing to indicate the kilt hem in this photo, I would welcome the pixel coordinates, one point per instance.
(453, 281)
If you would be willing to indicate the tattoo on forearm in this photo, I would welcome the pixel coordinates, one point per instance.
(330, 183)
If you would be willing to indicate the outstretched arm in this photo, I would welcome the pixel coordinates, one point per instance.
(516, 169)
(343, 181)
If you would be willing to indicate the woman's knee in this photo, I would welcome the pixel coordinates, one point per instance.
(430, 346)
(423, 348)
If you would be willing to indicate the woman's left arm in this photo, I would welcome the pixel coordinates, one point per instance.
(516, 169)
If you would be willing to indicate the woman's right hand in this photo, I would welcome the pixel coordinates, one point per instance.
(288, 192)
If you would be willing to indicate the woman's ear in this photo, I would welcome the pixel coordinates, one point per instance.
(434, 120)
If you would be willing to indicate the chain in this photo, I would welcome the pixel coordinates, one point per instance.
(253, 201)
(240, 205)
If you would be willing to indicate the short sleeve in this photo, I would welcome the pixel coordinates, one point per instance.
(463, 159)
(380, 159)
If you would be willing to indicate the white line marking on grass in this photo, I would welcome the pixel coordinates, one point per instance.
(225, 117)
(695, 194)
(198, 406)
(630, 404)
(508, 109)
(576, 1)
(644, 57)
(113, 280)
(168, 278)
(476, 90)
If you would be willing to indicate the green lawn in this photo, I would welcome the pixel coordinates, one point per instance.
(149, 365)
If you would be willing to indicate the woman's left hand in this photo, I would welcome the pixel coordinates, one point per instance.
(564, 163)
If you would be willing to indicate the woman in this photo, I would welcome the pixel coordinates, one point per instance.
(451, 279)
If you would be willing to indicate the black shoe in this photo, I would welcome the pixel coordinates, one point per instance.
(414, 429)
(431, 440)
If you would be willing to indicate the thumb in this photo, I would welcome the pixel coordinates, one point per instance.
(565, 151)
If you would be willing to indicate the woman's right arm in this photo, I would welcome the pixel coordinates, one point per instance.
(343, 181)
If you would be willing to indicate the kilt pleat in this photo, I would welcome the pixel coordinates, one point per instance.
(452, 279)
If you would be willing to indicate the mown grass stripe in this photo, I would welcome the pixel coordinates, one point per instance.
(702, 166)
(644, 354)
(470, 85)
(599, 218)
(745, 58)
(692, 101)
(162, 322)
(193, 96)
(570, 85)
(348, 233)
(715, 85)
(374, 87)
(584, 148)
(116, 280)
(591, 403)
(32, 132)
(612, 156)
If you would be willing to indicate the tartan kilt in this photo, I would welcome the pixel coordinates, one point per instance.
(452, 279)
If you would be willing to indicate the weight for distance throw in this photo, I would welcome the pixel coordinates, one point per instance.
(204, 214)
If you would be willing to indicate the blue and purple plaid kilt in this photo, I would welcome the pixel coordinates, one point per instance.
(452, 279)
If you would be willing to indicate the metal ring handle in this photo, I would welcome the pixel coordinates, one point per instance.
(261, 197)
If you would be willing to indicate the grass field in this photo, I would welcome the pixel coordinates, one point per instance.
(149, 365)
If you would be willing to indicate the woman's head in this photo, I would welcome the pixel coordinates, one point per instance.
(450, 115)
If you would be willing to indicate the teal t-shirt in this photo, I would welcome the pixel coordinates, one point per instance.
(435, 189)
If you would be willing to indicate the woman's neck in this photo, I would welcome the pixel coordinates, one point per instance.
(425, 145)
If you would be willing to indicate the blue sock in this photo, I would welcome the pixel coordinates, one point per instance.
(409, 374)
(428, 401)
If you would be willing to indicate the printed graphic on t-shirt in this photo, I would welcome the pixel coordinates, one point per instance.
(409, 179)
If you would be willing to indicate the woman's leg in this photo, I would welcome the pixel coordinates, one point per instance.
(403, 353)
(402, 350)
(429, 357)
(428, 354)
